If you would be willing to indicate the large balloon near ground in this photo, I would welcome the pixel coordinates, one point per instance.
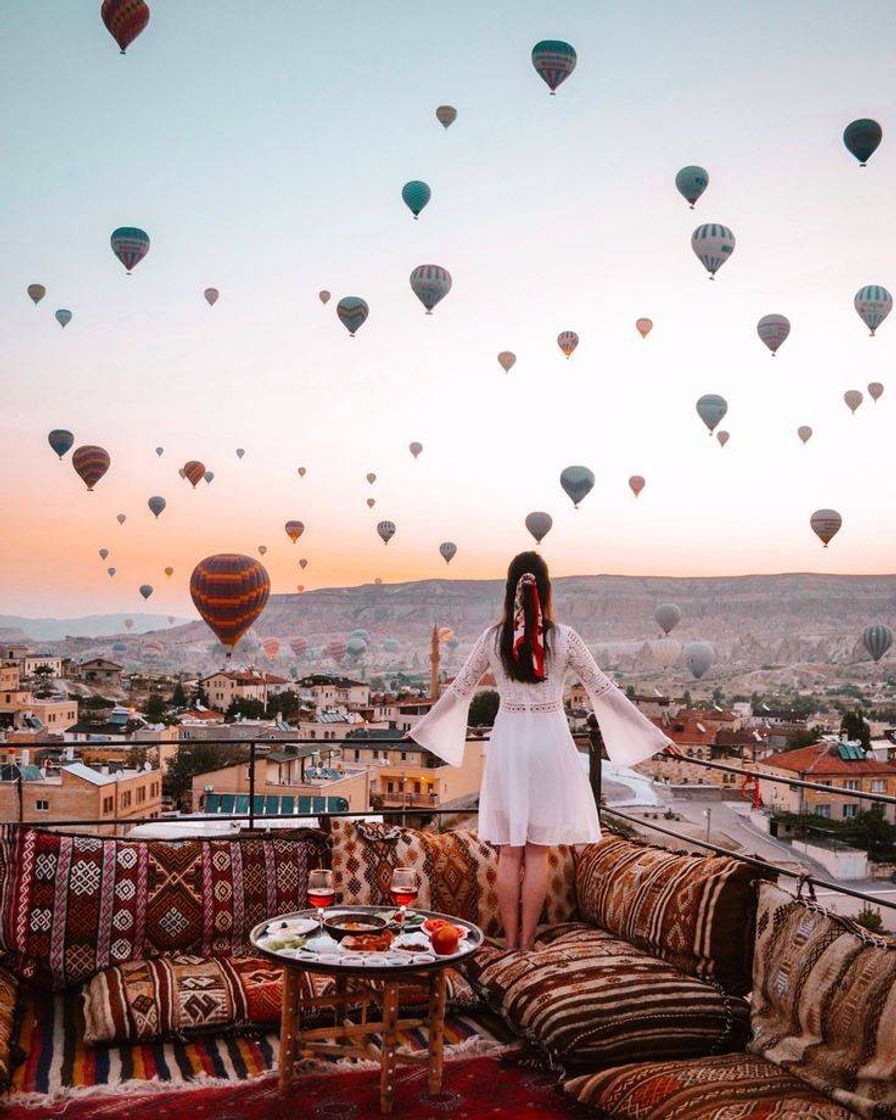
(415, 196)
(212, 295)
(877, 639)
(773, 330)
(294, 530)
(36, 292)
(386, 530)
(130, 245)
(825, 524)
(415, 448)
(711, 409)
(665, 651)
(124, 20)
(861, 138)
(61, 441)
(430, 283)
(230, 592)
(90, 463)
(554, 61)
(446, 115)
(804, 432)
(667, 616)
(691, 182)
(448, 550)
(699, 656)
(506, 360)
(644, 327)
(352, 312)
(853, 399)
(577, 483)
(875, 390)
(713, 244)
(156, 504)
(637, 483)
(194, 472)
(873, 304)
(539, 524)
(567, 341)
(63, 317)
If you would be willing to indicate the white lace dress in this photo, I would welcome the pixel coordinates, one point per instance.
(534, 787)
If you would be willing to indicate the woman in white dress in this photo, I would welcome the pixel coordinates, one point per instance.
(535, 793)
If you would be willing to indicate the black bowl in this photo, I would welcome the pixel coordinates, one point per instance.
(338, 926)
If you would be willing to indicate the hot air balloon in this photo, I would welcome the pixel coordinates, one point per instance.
(713, 244)
(124, 20)
(667, 616)
(360, 632)
(240, 452)
(386, 530)
(699, 656)
(294, 530)
(128, 622)
(877, 639)
(298, 646)
(212, 295)
(230, 592)
(160, 451)
(145, 590)
(446, 633)
(371, 477)
(554, 61)
(853, 399)
(271, 647)
(644, 326)
(873, 304)
(335, 649)
(862, 138)
(121, 518)
(61, 441)
(636, 484)
(711, 408)
(691, 182)
(169, 572)
(262, 549)
(104, 552)
(665, 651)
(303, 563)
(209, 477)
(356, 647)
(723, 438)
(156, 504)
(111, 572)
(323, 295)
(352, 312)
(577, 483)
(390, 645)
(430, 283)
(446, 115)
(875, 390)
(63, 317)
(371, 502)
(130, 245)
(539, 524)
(567, 341)
(302, 471)
(773, 330)
(506, 360)
(36, 292)
(90, 463)
(415, 195)
(377, 581)
(194, 472)
(448, 549)
(804, 432)
(825, 524)
(415, 448)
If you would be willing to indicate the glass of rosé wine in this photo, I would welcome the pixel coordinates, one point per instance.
(320, 892)
(403, 889)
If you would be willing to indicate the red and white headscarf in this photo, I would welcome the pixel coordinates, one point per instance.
(535, 633)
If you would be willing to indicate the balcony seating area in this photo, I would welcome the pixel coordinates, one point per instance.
(662, 985)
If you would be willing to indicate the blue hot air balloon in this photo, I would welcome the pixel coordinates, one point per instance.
(430, 283)
(877, 639)
(711, 408)
(691, 182)
(130, 245)
(416, 195)
(61, 441)
(63, 317)
(146, 590)
(862, 138)
(156, 504)
(577, 483)
(713, 244)
(554, 61)
(352, 312)
(873, 304)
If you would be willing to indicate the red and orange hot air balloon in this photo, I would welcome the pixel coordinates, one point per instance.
(124, 20)
(91, 463)
(194, 472)
(294, 530)
(230, 592)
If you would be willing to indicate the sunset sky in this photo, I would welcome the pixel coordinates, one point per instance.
(264, 147)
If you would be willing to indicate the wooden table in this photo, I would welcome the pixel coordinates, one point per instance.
(380, 989)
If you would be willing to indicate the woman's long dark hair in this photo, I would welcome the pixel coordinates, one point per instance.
(523, 670)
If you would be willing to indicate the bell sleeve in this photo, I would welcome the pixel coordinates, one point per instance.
(443, 730)
(628, 734)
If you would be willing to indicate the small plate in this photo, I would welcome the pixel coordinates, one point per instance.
(292, 927)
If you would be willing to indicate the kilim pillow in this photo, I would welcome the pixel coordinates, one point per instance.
(824, 1002)
(696, 912)
(727, 1087)
(74, 905)
(9, 988)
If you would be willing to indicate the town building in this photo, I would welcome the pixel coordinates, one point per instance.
(100, 671)
(333, 692)
(223, 688)
(326, 789)
(21, 708)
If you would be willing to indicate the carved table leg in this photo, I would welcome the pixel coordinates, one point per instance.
(437, 992)
(289, 1025)
(390, 1042)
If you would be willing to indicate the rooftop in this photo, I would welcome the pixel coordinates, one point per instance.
(826, 758)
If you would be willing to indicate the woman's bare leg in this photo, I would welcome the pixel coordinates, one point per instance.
(535, 887)
(508, 887)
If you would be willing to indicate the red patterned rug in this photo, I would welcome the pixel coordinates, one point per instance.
(472, 1088)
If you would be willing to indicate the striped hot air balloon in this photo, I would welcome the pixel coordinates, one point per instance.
(124, 20)
(448, 550)
(430, 283)
(554, 61)
(877, 639)
(230, 592)
(90, 463)
(386, 530)
(298, 646)
(352, 312)
(713, 244)
(567, 341)
(873, 304)
(773, 331)
(415, 195)
(711, 409)
(825, 524)
(294, 530)
(271, 647)
(194, 472)
(130, 245)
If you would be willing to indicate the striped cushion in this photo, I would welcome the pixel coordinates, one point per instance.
(824, 1002)
(590, 999)
(696, 912)
(729, 1087)
(9, 990)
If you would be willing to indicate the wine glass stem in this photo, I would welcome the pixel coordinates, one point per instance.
(402, 910)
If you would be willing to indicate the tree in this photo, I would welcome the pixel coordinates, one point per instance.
(483, 708)
(286, 703)
(805, 738)
(718, 697)
(178, 696)
(198, 758)
(154, 710)
(855, 727)
(687, 698)
(630, 692)
(870, 918)
(245, 709)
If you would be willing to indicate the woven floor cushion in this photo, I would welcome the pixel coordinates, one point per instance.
(142, 1001)
(724, 1087)
(9, 990)
(458, 871)
(74, 905)
(824, 1002)
(590, 999)
(695, 912)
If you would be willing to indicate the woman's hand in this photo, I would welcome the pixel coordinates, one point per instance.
(673, 750)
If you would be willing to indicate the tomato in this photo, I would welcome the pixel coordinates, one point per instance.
(432, 924)
(445, 939)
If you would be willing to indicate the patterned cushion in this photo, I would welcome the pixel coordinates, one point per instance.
(696, 912)
(824, 1002)
(729, 1087)
(74, 905)
(591, 999)
(9, 989)
(458, 871)
(146, 1000)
